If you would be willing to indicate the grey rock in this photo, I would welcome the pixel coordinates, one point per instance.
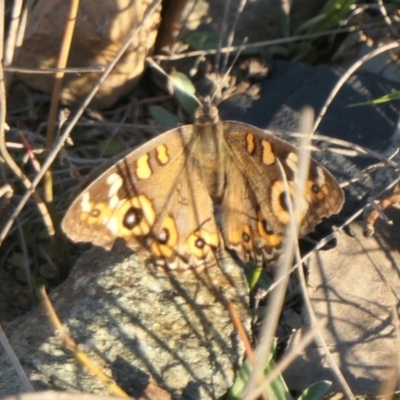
(353, 289)
(139, 326)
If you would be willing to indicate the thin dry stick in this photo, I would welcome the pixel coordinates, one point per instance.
(306, 126)
(23, 19)
(277, 298)
(22, 25)
(10, 161)
(2, 14)
(387, 19)
(269, 326)
(346, 76)
(53, 70)
(307, 129)
(26, 262)
(265, 43)
(69, 128)
(303, 171)
(61, 63)
(12, 32)
(237, 323)
(14, 361)
(321, 340)
(360, 149)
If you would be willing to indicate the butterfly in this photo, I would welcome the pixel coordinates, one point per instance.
(196, 189)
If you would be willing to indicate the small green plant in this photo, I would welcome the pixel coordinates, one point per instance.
(277, 389)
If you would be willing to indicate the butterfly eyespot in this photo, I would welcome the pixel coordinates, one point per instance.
(315, 188)
(200, 243)
(246, 237)
(267, 227)
(95, 213)
(266, 232)
(166, 239)
(132, 217)
(163, 236)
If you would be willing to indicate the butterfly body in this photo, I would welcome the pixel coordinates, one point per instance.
(198, 188)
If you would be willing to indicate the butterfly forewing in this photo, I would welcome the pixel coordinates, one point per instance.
(155, 200)
(164, 198)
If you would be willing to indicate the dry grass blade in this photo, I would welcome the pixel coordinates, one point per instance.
(277, 298)
(240, 330)
(242, 334)
(12, 32)
(253, 391)
(55, 97)
(79, 355)
(385, 15)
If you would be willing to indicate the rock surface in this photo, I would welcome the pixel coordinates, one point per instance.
(139, 326)
(354, 289)
(100, 32)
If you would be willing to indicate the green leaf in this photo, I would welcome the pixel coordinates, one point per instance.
(183, 83)
(184, 91)
(254, 277)
(384, 99)
(277, 389)
(163, 117)
(202, 40)
(315, 391)
(331, 16)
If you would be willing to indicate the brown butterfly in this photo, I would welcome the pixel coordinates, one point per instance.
(197, 188)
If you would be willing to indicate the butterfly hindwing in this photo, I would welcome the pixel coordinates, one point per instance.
(263, 192)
